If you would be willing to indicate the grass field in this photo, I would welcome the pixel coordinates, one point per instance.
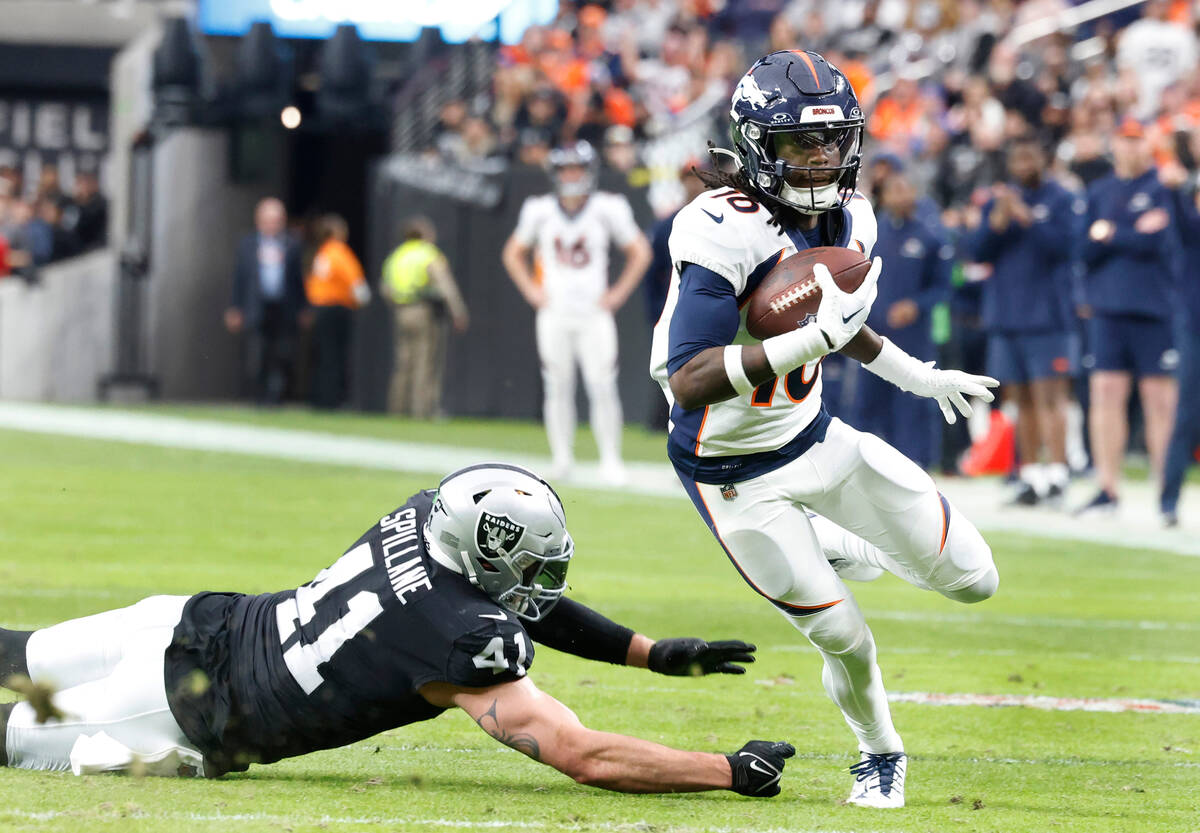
(86, 526)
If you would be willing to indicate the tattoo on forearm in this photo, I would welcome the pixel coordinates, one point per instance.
(522, 741)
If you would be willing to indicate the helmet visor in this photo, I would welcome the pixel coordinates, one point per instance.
(815, 158)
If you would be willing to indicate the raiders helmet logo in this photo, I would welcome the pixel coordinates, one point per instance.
(496, 535)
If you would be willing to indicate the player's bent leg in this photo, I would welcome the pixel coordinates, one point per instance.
(121, 722)
(89, 648)
(884, 498)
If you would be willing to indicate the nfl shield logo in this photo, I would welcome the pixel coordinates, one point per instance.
(729, 491)
(497, 534)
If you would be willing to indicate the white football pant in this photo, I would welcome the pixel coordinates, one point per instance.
(875, 507)
(588, 339)
(108, 672)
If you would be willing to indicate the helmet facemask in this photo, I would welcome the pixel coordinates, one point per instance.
(807, 188)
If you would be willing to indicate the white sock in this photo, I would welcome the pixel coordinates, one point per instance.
(1058, 474)
(1035, 475)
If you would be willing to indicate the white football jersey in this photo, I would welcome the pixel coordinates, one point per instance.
(727, 233)
(572, 249)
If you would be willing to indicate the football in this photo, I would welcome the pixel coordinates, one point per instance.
(789, 293)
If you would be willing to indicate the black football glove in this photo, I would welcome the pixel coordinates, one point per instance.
(758, 766)
(690, 657)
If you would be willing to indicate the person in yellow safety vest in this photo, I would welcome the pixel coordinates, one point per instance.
(418, 282)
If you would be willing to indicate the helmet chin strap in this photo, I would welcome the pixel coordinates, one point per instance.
(811, 201)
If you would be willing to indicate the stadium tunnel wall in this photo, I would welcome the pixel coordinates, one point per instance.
(491, 370)
(57, 336)
(199, 214)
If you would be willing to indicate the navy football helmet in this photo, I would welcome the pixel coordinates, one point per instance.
(797, 131)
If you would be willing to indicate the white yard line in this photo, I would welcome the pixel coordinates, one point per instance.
(400, 821)
(1135, 528)
(1047, 703)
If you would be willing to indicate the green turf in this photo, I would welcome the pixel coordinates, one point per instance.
(86, 526)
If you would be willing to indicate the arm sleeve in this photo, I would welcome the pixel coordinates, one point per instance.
(526, 230)
(577, 629)
(706, 315)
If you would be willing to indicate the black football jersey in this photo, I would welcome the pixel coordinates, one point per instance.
(252, 679)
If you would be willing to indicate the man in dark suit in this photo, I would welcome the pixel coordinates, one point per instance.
(268, 300)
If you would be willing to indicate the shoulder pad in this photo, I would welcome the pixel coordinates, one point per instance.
(728, 235)
(864, 229)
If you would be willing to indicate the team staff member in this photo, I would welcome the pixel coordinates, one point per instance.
(1131, 253)
(918, 278)
(268, 300)
(1025, 236)
(431, 608)
(1185, 438)
(418, 282)
(336, 287)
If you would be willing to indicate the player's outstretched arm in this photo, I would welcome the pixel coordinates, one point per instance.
(519, 715)
(949, 387)
(576, 629)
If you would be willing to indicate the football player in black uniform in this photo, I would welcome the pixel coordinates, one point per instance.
(433, 607)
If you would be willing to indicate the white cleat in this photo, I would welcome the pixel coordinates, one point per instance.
(879, 781)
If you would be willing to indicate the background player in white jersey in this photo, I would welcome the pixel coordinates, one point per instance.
(569, 232)
(797, 499)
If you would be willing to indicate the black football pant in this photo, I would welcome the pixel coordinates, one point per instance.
(331, 355)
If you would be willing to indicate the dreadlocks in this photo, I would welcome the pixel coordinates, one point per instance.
(717, 178)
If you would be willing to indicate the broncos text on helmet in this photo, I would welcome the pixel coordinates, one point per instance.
(797, 131)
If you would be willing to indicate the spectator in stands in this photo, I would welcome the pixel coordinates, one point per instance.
(267, 302)
(87, 214)
(1131, 253)
(620, 153)
(30, 233)
(919, 262)
(63, 242)
(335, 288)
(49, 186)
(1156, 53)
(1028, 312)
(533, 147)
(1185, 438)
(418, 282)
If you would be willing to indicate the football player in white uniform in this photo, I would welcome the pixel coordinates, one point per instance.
(797, 499)
(570, 232)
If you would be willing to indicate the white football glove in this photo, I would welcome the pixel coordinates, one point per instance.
(949, 387)
(842, 314)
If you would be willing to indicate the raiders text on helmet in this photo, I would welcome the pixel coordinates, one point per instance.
(793, 101)
(504, 528)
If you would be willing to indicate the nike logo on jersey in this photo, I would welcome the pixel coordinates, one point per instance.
(716, 218)
(501, 617)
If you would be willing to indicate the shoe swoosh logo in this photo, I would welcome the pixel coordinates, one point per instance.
(497, 616)
(716, 218)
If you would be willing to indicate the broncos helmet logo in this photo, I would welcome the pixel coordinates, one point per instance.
(749, 91)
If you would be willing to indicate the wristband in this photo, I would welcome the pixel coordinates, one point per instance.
(895, 366)
(788, 351)
(736, 371)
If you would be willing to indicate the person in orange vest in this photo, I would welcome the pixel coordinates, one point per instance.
(335, 287)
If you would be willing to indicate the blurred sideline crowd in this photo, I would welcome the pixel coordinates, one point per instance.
(48, 220)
